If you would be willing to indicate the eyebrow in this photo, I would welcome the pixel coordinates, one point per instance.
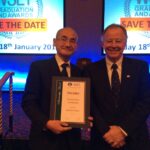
(72, 38)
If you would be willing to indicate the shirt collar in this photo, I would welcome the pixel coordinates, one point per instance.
(109, 63)
(60, 61)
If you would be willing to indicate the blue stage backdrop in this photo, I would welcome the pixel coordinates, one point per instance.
(27, 28)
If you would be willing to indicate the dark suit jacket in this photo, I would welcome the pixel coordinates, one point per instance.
(36, 104)
(133, 105)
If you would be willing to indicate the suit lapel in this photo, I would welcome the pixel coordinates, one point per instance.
(75, 72)
(102, 77)
(126, 78)
(105, 84)
(105, 75)
(53, 67)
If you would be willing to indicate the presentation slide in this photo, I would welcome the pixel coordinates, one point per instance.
(27, 29)
(29, 26)
(134, 15)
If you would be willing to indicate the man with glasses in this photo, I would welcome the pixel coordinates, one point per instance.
(50, 134)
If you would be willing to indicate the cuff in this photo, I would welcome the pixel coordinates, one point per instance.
(124, 132)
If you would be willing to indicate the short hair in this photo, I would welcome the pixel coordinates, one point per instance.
(115, 26)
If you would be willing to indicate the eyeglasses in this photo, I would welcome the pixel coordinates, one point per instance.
(66, 39)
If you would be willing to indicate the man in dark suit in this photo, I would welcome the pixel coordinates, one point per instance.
(49, 134)
(119, 109)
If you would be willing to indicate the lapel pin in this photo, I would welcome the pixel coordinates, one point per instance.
(128, 76)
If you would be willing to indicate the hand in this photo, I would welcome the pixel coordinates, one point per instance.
(57, 126)
(118, 145)
(115, 137)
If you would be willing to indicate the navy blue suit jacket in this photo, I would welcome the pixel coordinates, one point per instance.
(36, 104)
(133, 105)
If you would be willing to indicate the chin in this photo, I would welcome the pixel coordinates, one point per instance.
(113, 57)
(66, 55)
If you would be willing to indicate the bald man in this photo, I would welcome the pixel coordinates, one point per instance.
(50, 134)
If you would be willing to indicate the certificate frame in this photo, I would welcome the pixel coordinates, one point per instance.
(70, 100)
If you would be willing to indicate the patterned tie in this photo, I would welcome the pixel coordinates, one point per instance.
(64, 71)
(115, 83)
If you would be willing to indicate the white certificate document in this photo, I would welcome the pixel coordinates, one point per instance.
(73, 105)
(70, 100)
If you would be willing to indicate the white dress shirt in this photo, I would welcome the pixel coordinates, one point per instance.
(60, 62)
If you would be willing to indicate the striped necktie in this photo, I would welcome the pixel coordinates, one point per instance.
(115, 83)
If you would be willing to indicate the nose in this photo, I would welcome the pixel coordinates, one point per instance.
(113, 43)
(67, 43)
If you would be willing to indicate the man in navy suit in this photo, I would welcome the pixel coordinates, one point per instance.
(49, 134)
(119, 119)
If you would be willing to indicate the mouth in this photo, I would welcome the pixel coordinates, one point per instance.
(113, 49)
(67, 48)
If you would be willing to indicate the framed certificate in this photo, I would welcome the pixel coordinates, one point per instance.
(70, 100)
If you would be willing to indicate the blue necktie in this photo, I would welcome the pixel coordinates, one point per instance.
(115, 83)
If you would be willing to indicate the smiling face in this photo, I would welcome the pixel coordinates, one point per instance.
(65, 43)
(114, 42)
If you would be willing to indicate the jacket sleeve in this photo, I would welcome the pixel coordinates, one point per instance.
(98, 121)
(31, 98)
(141, 109)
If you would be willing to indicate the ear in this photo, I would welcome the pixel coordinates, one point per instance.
(54, 41)
(102, 44)
(76, 46)
(102, 41)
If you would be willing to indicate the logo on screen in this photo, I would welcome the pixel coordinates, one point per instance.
(69, 83)
(140, 1)
(15, 13)
(137, 13)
